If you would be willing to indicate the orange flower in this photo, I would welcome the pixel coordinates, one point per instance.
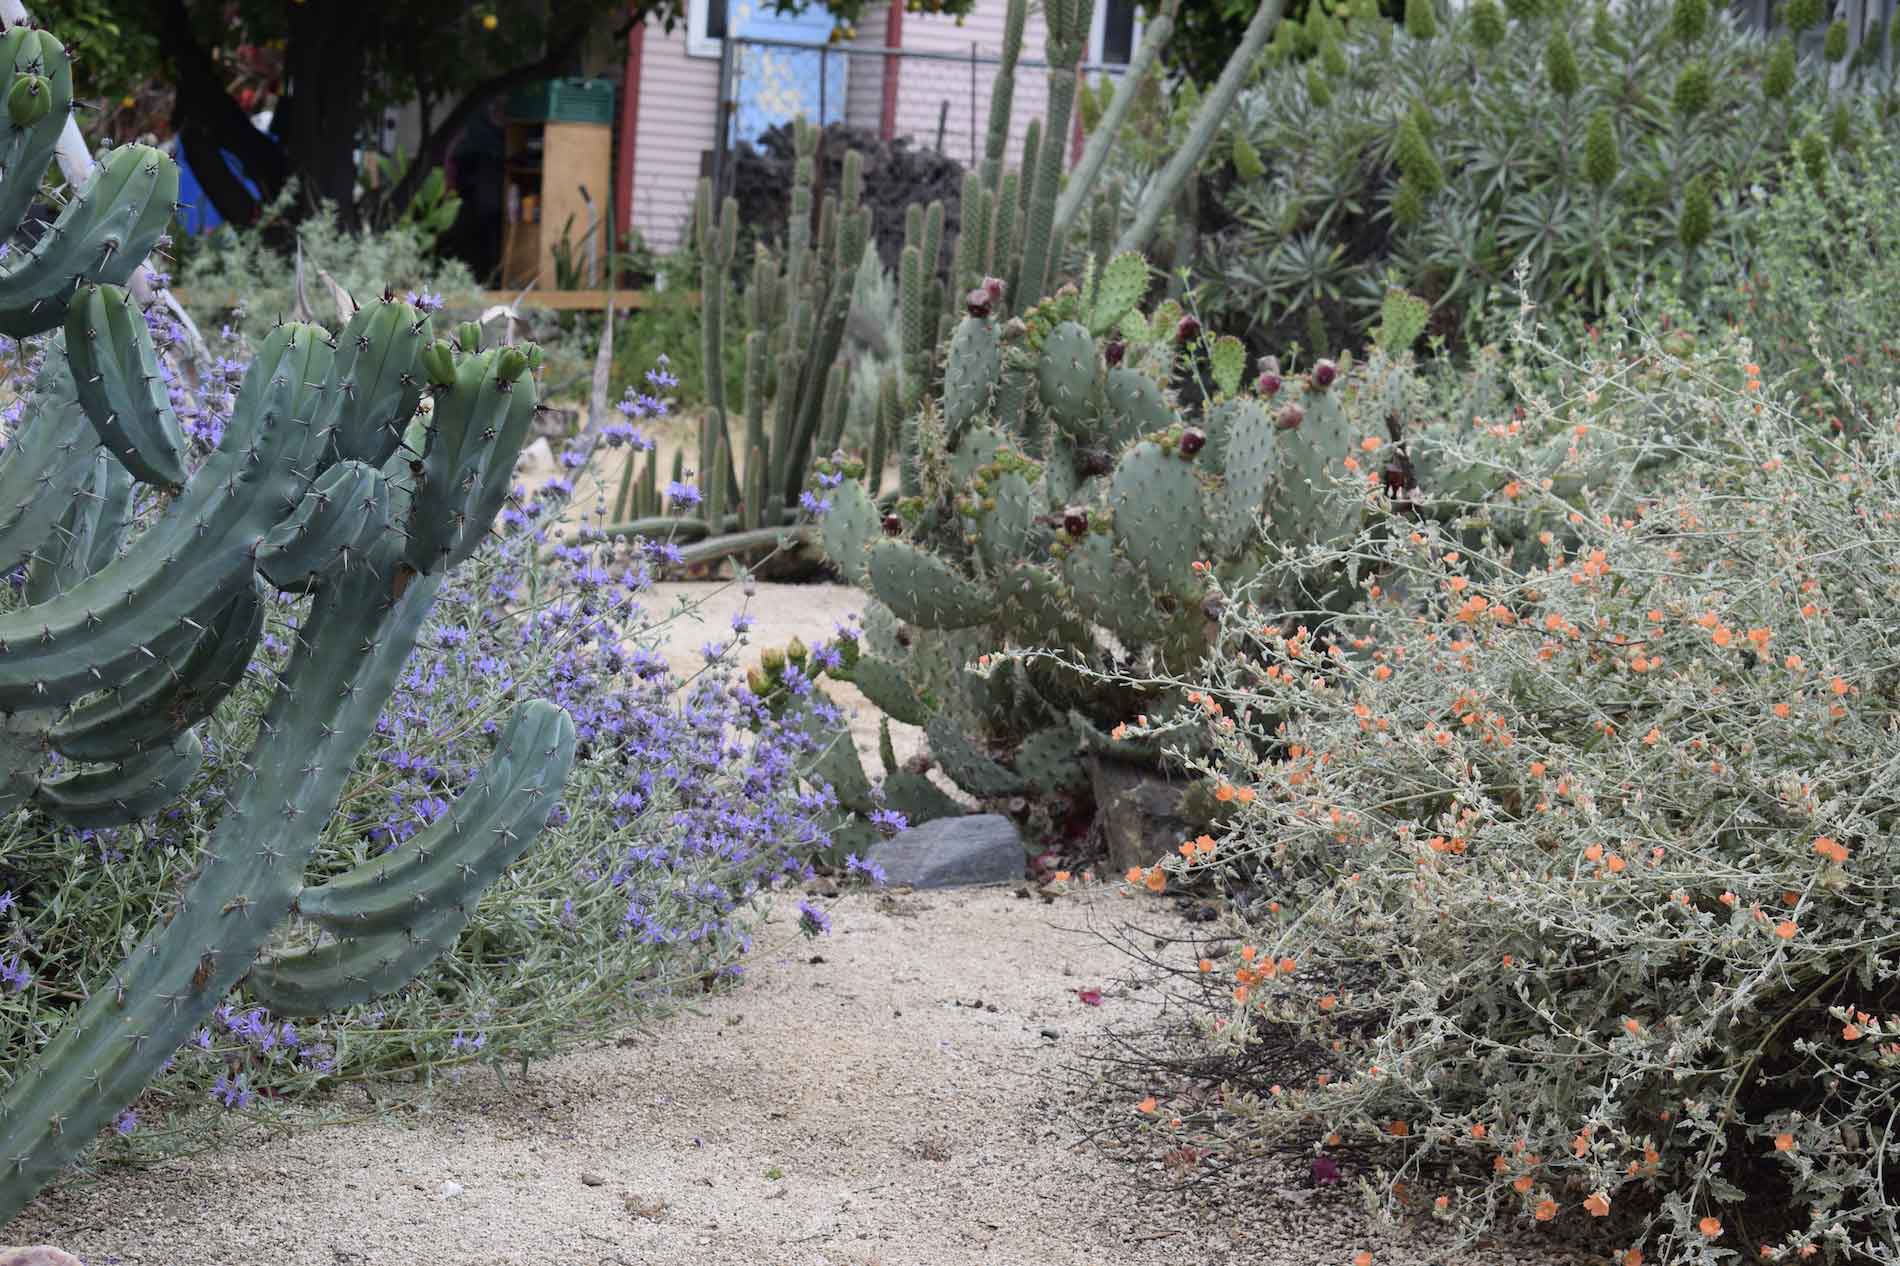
(1244, 795)
(1443, 1202)
(1615, 863)
(1062, 876)
(1793, 663)
(1830, 848)
(1594, 853)
(1632, 1258)
(1598, 1205)
(1478, 1130)
(1522, 1183)
(1362, 1258)
(1784, 1142)
(1224, 793)
(1288, 966)
(1328, 1002)
(1786, 929)
(1710, 1226)
(1728, 899)
(1633, 1024)
(1398, 1129)
(1134, 875)
(1850, 1032)
(1146, 1105)
(1206, 965)
(1838, 686)
(1546, 1209)
(1781, 710)
(1157, 879)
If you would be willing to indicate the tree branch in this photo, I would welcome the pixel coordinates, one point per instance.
(435, 147)
(217, 122)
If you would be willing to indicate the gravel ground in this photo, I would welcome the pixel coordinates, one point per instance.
(885, 1096)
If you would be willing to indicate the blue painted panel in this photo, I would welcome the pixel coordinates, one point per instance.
(772, 86)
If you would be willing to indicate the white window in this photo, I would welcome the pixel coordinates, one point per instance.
(705, 27)
(1116, 32)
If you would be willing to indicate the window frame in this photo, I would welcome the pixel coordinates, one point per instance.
(698, 42)
(1098, 34)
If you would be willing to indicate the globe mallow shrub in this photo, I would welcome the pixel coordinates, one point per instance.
(1572, 868)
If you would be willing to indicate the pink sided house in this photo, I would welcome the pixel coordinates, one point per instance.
(915, 75)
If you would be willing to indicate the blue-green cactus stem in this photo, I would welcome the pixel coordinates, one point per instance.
(115, 371)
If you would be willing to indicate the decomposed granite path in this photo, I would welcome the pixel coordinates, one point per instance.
(854, 1111)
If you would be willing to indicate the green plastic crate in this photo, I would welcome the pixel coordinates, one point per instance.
(563, 101)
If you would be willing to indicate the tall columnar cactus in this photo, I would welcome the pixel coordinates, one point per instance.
(327, 481)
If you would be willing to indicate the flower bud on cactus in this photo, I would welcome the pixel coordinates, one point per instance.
(977, 303)
(1600, 158)
(1688, 20)
(1693, 90)
(1075, 521)
(1698, 214)
(893, 525)
(1290, 417)
(993, 286)
(1268, 382)
(1777, 81)
(30, 100)
(1560, 64)
(1834, 46)
(1487, 24)
(1186, 330)
(1113, 351)
(1324, 372)
(1193, 440)
(1840, 129)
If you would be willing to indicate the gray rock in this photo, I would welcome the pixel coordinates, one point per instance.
(1138, 818)
(980, 848)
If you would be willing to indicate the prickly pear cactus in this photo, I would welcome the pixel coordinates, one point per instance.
(1080, 520)
(328, 482)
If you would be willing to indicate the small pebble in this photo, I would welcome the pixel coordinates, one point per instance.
(592, 1179)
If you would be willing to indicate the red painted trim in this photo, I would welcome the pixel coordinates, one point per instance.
(629, 129)
(893, 38)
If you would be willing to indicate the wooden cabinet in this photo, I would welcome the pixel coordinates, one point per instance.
(553, 172)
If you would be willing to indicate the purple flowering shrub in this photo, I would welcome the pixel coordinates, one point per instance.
(687, 803)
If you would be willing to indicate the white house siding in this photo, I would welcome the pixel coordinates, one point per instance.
(679, 99)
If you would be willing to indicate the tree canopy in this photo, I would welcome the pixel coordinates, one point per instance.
(337, 64)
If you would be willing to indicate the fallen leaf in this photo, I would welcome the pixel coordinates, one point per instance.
(1090, 997)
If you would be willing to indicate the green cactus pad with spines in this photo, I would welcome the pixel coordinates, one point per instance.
(967, 767)
(833, 759)
(138, 787)
(888, 686)
(158, 704)
(102, 235)
(115, 371)
(979, 447)
(1065, 379)
(453, 859)
(482, 415)
(26, 152)
(922, 589)
(1136, 405)
(1036, 610)
(970, 374)
(345, 509)
(46, 466)
(194, 558)
(88, 535)
(1227, 363)
(1106, 590)
(1051, 760)
(1006, 529)
(1307, 507)
(1119, 287)
(1159, 520)
(1250, 456)
(378, 381)
(886, 750)
(848, 529)
(918, 799)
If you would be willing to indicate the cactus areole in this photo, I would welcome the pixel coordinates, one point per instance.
(326, 482)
